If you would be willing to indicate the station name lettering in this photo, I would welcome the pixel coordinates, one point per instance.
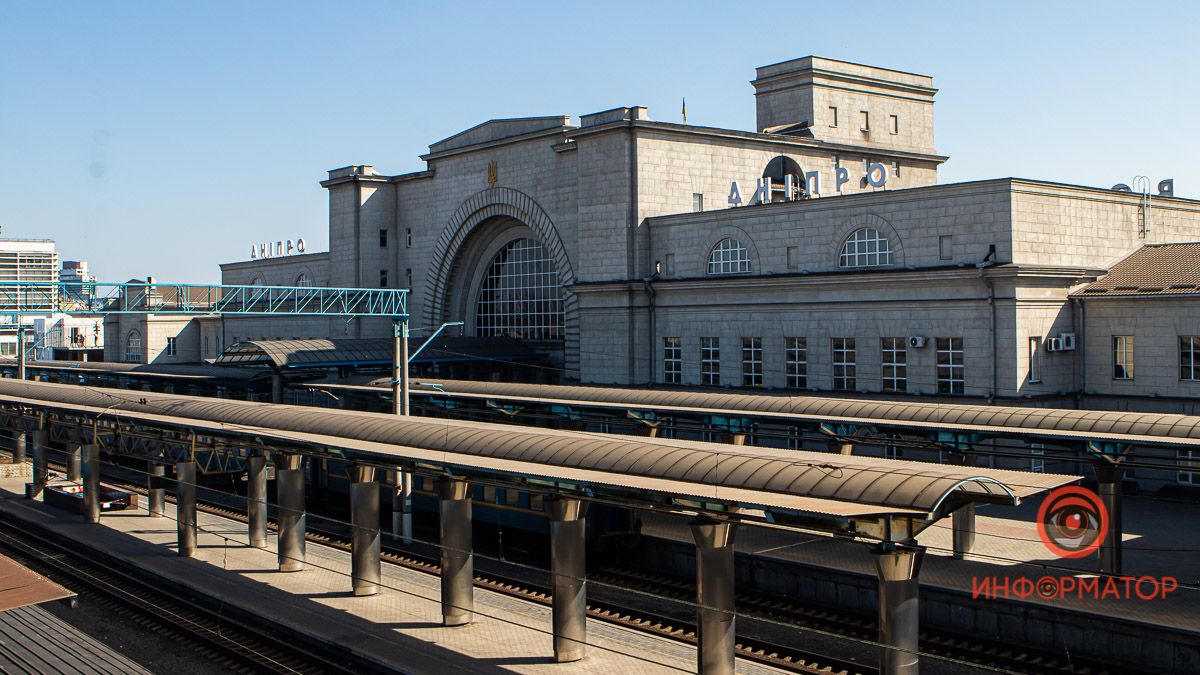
(877, 176)
(275, 249)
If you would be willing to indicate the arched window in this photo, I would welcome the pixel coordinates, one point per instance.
(729, 256)
(133, 347)
(257, 281)
(521, 296)
(866, 247)
(303, 280)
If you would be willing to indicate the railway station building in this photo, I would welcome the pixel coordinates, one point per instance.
(816, 252)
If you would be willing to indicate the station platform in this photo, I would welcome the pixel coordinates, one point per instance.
(1157, 542)
(399, 628)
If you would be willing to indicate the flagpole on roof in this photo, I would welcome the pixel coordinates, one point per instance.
(684, 110)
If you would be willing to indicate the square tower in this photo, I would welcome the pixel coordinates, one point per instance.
(847, 103)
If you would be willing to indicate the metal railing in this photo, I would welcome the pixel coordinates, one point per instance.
(23, 297)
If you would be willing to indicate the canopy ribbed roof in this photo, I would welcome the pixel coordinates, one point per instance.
(1043, 423)
(798, 480)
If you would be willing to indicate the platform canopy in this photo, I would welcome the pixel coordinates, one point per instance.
(1040, 424)
(22, 587)
(764, 483)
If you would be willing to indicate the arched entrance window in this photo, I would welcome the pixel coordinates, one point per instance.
(304, 280)
(521, 295)
(133, 347)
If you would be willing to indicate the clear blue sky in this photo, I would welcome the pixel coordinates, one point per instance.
(162, 138)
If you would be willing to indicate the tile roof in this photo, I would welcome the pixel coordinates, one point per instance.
(1153, 270)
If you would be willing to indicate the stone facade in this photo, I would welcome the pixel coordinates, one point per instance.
(975, 289)
(629, 209)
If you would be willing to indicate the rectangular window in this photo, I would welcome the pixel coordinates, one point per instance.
(833, 116)
(1037, 457)
(408, 278)
(951, 374)
(697, 201)
(408, 237)
(1189, 357)
(946, 247)
(669, 267)
(170, 351)
(894, 124)
(1188, 466)
(1122, 357)
(796, 360)
(383, 278)
(752, 363)
(845, 377)
(866, 120)
(710, 361)
(793, 257)
(894, 373)
(383, 239)
(1035, 363)
(672, 361)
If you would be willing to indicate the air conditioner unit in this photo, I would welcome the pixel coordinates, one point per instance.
(1054, 345)
(916, 342)
(1068, 341)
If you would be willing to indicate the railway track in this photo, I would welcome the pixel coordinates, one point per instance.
(964, 650)
(226, 637)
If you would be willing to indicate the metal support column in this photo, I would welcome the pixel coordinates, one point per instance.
(156, 496)
(185, 506)
(276, 386)
(256, 500)
(400, 366)
(289, 480)
(567, 558)
(458, 568)
(402, 526)
(20, 443)
(715, 614)
(20, 349)
(91, 483)
(1110, 476)
(41, 464)
(899, 615)
(74, 458)
(402, 486)
(365, 571)
(962, 521)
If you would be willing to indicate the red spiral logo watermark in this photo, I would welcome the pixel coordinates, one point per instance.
(1072, 522)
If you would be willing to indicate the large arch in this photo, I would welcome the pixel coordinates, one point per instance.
(488, 206)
